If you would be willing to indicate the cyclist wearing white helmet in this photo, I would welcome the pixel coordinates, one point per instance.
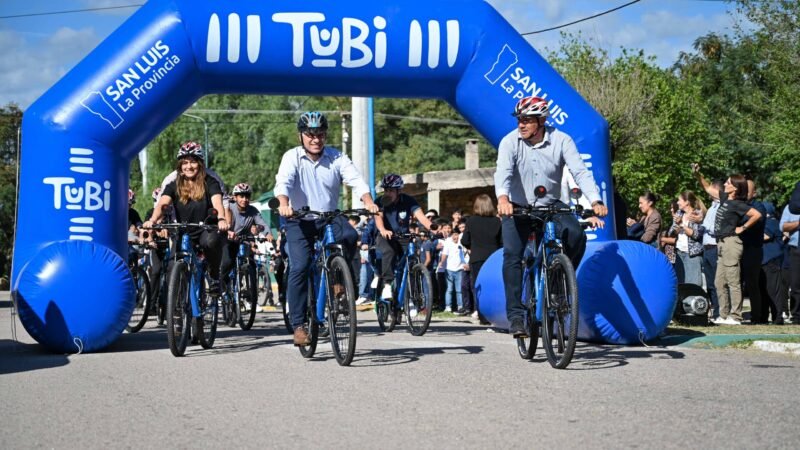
(311, 175)
(398, 209)
(193, 194)
(243, 216)
(537, 154)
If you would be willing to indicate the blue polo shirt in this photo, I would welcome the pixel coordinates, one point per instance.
(789, 217)
(397, 216)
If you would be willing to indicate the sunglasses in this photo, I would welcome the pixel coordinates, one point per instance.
(312, 135)
(243, 195)
(527, 120)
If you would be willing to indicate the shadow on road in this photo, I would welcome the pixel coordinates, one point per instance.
(16, 357)
(593, 357)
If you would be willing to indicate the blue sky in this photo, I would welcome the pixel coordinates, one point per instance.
(37, 51)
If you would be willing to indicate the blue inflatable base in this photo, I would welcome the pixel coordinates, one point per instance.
(627, 292)
(74, 296)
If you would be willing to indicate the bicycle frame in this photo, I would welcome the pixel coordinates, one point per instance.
(324, 250)
(535, 260)
(197, 269)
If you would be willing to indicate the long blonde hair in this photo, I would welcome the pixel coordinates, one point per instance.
(191, 189)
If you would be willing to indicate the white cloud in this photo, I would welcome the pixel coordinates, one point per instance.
(28, 69)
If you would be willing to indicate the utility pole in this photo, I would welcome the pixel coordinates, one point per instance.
(360, 142)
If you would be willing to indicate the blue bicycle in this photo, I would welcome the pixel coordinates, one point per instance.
(412, 295)
(331, 293)
(190, 311)
(241, 296)
(549, 285)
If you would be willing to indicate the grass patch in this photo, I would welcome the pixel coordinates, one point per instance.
(684, 330)
(747, 343)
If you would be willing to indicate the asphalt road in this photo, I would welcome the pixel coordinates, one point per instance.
(459, 386)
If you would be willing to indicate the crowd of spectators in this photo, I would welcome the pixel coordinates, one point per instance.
(735, 248)
(739, 246)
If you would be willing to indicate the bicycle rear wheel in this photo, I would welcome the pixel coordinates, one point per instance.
(312, 322)
(342, 320)
(141, 308)
(247, 296)
(418, 303)
(285, 312)
(207, 322)
(527, 346)
(560, 312)
(385, 309)
(179, 310)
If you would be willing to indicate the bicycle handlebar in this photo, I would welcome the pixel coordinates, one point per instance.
(551, 210)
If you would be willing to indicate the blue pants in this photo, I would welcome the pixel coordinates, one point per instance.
(364, 279)
(454, 286)
(515, 237)
(300, 236)
(689, 268)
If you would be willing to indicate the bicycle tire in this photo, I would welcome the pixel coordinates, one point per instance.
(285, 312)
(342, 315)
(560, 312)
(527, 346)
(229, 305)
(263, 285)
(419, 282)
(141, 307)
(208, 320)
(178, 309)
(313, 324)
(382, 312)
(247, 296)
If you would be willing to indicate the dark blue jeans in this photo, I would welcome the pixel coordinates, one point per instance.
(710, 272)
(300, 237)
(515, 237)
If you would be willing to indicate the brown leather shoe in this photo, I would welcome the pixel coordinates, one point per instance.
(301, 337)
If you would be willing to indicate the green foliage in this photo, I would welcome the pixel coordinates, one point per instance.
(10, 121)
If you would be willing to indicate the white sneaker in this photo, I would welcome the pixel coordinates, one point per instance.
(361, 300)
(732, 321)
(718, 321)
(448, 309)
(387, 292)
(413, 313)
(475, 315)
(374, 283)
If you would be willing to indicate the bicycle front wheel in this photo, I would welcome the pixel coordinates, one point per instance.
(179, 310)
(560, 312)
(342, 320)
(143, 298)
(247, 296)
(418, 303)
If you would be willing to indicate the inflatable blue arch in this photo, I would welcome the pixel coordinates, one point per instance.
(69, 276)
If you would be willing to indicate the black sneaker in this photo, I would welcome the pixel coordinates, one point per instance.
(517, 329)
(213, 287)
(462, 312)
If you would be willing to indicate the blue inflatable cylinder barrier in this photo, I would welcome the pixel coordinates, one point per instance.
(627, 292)
(79, 137)
(78, 296)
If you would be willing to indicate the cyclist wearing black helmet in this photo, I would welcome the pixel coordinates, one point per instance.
(311, 175)
(398, 209)
(193, 194)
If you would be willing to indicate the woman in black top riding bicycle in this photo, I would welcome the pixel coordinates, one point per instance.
(193, 194)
